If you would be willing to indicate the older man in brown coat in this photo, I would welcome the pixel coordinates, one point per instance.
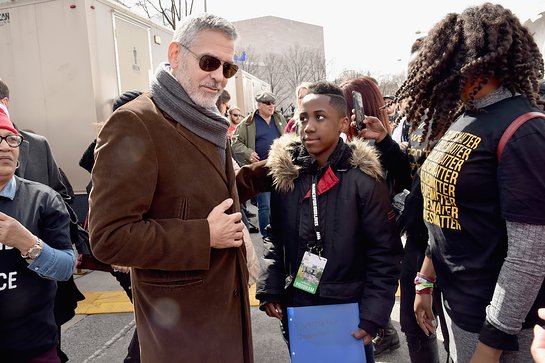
(164, 202)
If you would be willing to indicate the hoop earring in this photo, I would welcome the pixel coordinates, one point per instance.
(17, 165)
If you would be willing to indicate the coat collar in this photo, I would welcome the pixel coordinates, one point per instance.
(206, 148)
(288, 159)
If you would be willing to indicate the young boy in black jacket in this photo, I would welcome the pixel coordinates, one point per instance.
(356, 230)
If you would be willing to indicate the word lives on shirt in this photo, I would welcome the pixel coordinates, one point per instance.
(439, 175)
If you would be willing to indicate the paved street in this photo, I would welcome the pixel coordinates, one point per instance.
(105, 337)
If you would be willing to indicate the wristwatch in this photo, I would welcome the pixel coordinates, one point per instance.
(34, 252)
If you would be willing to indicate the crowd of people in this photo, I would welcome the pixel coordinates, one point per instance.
(451, 163)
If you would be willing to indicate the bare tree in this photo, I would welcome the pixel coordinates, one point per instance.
(272, 73)
(252, 61)
(297, 66)
(171, 11)
(316, 65)
(390, 83)
(349, 74)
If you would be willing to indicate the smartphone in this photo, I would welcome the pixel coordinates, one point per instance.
(358, 110)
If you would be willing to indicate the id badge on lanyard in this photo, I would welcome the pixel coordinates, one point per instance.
(313, 264)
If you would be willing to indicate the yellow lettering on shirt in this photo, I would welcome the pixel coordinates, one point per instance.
(439, 175)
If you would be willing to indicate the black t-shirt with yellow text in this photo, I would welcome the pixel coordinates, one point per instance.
(468, 196)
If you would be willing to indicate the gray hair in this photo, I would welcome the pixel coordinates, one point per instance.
(191, 26)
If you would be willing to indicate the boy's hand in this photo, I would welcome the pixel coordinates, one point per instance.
(274, 310)
(362, 334)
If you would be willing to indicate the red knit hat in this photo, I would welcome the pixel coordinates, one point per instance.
(5, 123)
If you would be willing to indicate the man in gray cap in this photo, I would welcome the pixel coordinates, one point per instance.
(252, 140)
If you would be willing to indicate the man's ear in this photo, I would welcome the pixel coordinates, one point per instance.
(174, 55)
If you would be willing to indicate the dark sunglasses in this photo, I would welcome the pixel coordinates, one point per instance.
(268, 103)
(209, 63)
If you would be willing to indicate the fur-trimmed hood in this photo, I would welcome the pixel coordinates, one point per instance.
(288, 156)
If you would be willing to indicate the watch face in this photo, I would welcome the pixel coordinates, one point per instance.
(35, 252)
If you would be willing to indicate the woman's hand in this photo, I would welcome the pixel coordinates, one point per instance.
(485, 354)
(14, 234)
(374, 130)
(424, 314)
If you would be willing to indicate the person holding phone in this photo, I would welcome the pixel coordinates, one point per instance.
(372, 101)
(364, 98)
(355, 219)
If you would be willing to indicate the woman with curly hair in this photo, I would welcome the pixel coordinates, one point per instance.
(477, 72)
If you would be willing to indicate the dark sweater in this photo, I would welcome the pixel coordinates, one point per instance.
(28, 326)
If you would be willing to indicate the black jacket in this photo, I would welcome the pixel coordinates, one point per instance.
(361, 242)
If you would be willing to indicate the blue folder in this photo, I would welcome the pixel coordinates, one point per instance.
(323, 334)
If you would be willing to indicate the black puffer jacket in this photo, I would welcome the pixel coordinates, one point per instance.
(361, 242)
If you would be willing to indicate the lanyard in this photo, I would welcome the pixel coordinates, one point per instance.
(318, 245)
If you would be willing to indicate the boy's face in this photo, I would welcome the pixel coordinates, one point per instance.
(321, 125)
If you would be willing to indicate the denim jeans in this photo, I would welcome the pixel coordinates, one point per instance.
(263, 204)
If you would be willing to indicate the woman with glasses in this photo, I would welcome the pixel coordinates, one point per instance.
(35, 251)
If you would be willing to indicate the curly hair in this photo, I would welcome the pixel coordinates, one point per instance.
(471, 48)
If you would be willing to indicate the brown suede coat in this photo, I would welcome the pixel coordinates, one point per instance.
(154, 184)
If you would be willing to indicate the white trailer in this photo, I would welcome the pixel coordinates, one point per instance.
(243, 88)
(66, 60)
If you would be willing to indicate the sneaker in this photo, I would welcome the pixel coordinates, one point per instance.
(386, 340)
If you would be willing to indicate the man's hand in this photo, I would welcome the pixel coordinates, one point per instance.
(254, 158)
(225, 229)
(362, 334)
(424, 314)
(14, 234)
(538, 345)
(274, 310)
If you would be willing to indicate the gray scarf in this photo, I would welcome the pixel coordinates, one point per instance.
(169, 95)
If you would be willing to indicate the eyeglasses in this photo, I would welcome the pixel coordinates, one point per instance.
(268, 103)
(12, 140)
(236, 115)
(209, 63)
